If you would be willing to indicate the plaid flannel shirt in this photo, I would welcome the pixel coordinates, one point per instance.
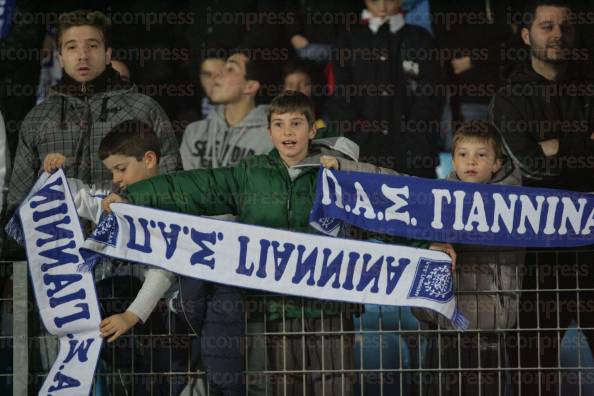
(74, 127)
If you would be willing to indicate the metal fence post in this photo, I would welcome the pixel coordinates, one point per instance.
(20, 329)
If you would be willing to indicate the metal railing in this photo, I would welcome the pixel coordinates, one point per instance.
(364, 350)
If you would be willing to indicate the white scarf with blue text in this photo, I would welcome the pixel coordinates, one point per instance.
(278, 261)
(66, 298)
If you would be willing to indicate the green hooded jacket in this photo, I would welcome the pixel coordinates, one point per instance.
(259, 190)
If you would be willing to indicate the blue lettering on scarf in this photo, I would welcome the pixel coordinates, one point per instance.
(170, 238)
(332, 269)
(242, 268)
(61, 209)
(264, 245)
(56, 233)
(77, 295)
(281, 258)
(204, 255)
(372, 274)
(59, 256)
(305, 266)
(394, 273)
(348, 282)
(48, 194)
(82, 314)
(60, 282)
(78, 349)
(63, 382)
(146, 246)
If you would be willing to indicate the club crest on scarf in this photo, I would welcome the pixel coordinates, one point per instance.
(432, 281)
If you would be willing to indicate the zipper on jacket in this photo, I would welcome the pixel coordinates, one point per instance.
(83, 88)
(289, 193)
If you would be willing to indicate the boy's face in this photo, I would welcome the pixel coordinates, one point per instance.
(82, 53)
(475, 160)
(209, 70)
(298, 82)
(290, 134)
(551, 35)
(230, 85)
(128, 170)
(383, 8)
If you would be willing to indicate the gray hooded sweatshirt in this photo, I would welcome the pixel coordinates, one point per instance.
(212, 143)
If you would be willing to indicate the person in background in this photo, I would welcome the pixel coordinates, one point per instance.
(210, 68)
(389, 102)
(471, 55)
(545, 114)
(306, 77)
(236, 128)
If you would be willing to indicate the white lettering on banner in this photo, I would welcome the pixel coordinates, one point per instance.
(439, 195)
(396, 195)
(326, 200)
(504, 212)
(517, 213)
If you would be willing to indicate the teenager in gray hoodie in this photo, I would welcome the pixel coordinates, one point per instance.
(237, 128)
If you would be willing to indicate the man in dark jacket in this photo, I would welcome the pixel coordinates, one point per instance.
(545, 111)
(386, 96)
(88, 102)
(545, 114)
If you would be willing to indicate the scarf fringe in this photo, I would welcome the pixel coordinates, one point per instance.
(90, 260)
(459, 320)
(15, 230)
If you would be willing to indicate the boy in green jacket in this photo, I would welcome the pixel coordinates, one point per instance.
(275, 190)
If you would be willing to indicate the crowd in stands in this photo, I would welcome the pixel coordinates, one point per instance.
(123, 96)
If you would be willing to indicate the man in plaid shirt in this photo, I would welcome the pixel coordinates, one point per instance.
(82, 109)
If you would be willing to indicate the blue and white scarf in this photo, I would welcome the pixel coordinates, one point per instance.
(66, 298)
(451, 211)
(278, 261)
(224, 252)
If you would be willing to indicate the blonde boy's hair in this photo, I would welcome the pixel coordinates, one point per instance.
(479, 130)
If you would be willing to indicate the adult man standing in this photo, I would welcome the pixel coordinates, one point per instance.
(90, 99)
(545, 114)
